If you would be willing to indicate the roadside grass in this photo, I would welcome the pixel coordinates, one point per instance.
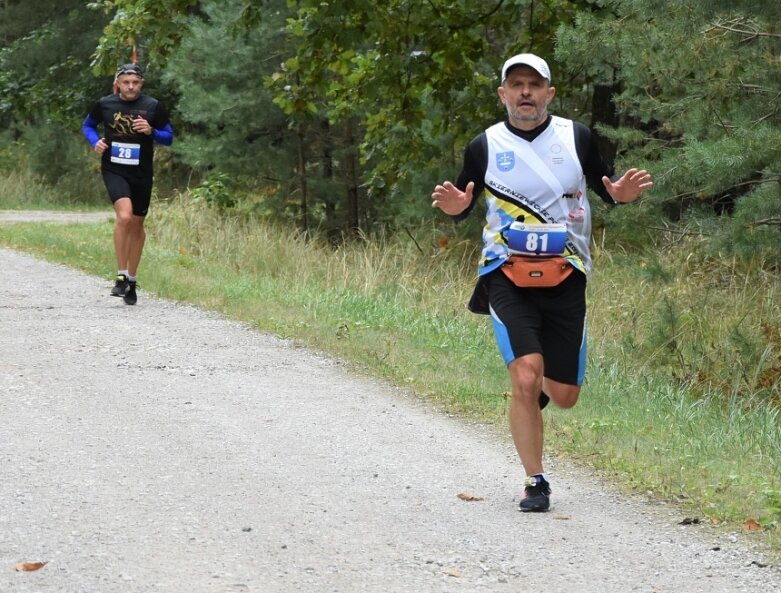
(20, 191)
(682, 395)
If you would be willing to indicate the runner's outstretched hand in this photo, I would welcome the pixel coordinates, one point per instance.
(451, 200)
(630, 186)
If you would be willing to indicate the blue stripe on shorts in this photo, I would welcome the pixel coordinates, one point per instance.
(502, 339)
(582, 355)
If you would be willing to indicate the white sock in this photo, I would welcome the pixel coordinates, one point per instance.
(122, 273)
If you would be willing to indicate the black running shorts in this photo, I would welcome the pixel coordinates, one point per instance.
(138, 190)
(548, 321)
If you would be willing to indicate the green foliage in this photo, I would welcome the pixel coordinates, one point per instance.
(699, 93)
(417, 93)
(54, 155)
(343, 115)
(45, 46)
(151, 27)
(45, 90)
(214, 191)
(30, 181)
(225, 115)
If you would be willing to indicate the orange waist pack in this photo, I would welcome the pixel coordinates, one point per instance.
(536, 272)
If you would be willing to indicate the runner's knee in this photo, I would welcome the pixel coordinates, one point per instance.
(526, 377)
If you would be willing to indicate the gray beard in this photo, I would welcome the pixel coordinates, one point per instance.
(537, 117)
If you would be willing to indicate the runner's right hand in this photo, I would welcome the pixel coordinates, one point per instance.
(451, 200)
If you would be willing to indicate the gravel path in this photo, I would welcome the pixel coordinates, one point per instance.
(51, 216)
(161, 448)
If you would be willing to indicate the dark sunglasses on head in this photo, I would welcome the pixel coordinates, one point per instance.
(129, 69)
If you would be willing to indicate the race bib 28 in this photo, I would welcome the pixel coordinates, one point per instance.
(125, 154)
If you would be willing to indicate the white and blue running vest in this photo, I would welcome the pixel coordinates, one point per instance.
(538, 182)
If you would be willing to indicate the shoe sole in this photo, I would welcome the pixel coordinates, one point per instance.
(539, 506)
(535, 510)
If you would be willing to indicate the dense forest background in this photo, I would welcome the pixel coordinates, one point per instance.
(339, 117)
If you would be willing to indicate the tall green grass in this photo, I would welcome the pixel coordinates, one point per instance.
(40, 185)
(682, 393)
(19, 191)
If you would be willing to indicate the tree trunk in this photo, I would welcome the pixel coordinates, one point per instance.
(351, 173)
(303, 222)
(603, 111)
(329, 201)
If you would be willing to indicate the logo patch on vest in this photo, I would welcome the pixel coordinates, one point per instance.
(505, 160)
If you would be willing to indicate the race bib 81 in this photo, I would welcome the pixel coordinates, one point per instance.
(125, 154)
(536, 239)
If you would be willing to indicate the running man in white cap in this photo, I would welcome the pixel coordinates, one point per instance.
(534, 169)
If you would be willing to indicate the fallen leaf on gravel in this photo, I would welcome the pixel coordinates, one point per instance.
(453, 572)
(561, 517)
(469, 497)
(29, 566)
(715, 521)
(751, 525)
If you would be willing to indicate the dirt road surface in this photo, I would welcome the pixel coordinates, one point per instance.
(164, 449)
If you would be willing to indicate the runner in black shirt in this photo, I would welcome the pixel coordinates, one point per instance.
(132, 123)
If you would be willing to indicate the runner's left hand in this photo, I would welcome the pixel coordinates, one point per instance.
(141, 126)
(629, 187)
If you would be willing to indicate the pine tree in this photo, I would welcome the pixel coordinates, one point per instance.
(699, 98)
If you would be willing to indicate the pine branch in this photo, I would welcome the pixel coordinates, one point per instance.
(438, 11)
(730, 27)
(764, 117)
(774, 221)
(676, 231)
(750, 182)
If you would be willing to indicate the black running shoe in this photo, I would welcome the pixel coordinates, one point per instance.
(544, 399)
(120, 286)
(536, 498)
(130, 297)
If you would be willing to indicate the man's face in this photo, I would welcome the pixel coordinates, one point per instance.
(129, 86)
(526, 95)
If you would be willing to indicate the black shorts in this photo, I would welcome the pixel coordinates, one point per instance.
(548, 321)
(138, 190)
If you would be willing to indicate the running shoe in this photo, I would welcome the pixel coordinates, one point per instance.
(536, 497)
(120, 286)
(544, 399)
(130, 297)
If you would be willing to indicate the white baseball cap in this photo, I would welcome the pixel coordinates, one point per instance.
(536, 62)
